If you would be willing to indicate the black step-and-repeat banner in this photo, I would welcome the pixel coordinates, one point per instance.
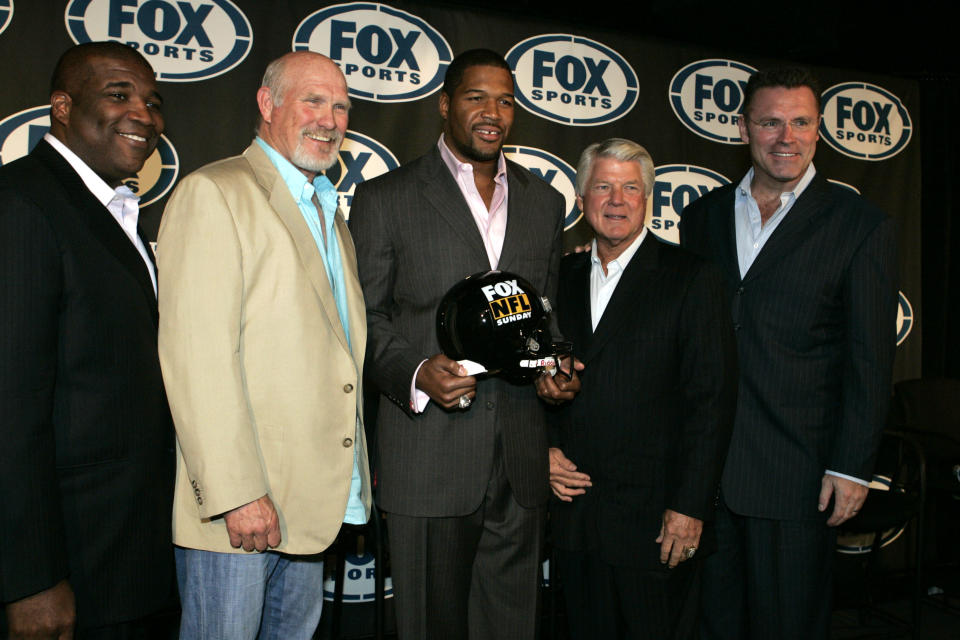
(574, 86)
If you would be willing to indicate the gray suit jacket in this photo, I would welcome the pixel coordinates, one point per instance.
(415, 238)
(815, 319)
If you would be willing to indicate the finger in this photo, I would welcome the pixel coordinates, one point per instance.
(666, 547)
(259, 542)
(274, 537)
(826, 490)
(248, 542)
(235, 539)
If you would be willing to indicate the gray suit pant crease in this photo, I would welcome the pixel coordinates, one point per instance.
(473, 577)
(768, 579)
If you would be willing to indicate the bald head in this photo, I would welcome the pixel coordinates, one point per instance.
(74, 66)
(303, 110)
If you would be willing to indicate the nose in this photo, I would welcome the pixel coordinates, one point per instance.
(786, 133)
(324, 117)
(616, 194)
(491, 109)
(140, 112)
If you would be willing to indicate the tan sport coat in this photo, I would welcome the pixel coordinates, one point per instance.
(264, 390)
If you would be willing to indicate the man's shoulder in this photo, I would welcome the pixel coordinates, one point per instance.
(403, 176)
(710, 199)
(845, 200)
(525, 179)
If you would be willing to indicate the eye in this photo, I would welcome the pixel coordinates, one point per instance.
(770, 124)
(801, 124)
(119, 97)
(600, 188)
(506, 102)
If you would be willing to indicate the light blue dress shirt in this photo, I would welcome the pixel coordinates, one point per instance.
(303, 191)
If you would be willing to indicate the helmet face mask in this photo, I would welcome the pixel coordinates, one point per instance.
(498, 319)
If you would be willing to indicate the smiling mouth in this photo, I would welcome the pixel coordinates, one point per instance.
(488, 133)
(785, 155)
(133, 136)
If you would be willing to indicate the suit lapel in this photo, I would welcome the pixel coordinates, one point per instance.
(632, 292)
(442, 192)
(517, 230)
(792, 230)
(722, 217)
(578, 285)
(289, 213)
(99, 221)
(355, 307)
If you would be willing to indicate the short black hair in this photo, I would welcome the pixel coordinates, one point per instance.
(785, 77)
(71, 68)
(467, 59)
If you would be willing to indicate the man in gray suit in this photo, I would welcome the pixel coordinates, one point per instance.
(462, 461)
(811, 274)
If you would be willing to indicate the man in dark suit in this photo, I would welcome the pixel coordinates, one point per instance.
(639, 451)
(86, 465)
(811, 274)
(465, 486)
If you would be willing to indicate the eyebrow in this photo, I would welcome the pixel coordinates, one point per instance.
(484, 91)
(124, 84)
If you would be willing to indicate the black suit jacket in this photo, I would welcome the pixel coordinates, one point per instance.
(653, 418)
(815, 319)
(415, 238)
(86, 462)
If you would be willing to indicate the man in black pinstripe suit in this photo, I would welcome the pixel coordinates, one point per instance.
(811, 272)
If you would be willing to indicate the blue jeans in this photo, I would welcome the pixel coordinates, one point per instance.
(247, 596)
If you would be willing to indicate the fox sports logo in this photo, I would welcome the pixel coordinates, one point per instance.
(185, 41)
(361, 158)
(359, 583)
(21, 132)
(904, 318)
(677, 185)
(552, 170)
(572, 80)
(864, 121)
(386, 54)
(6, 14)
(707, 97)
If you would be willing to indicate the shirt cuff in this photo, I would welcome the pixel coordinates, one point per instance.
(850, 478)
(418, 399)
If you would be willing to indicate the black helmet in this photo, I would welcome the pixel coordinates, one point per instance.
(499, 320)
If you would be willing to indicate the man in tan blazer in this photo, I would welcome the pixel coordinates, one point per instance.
(262, 337)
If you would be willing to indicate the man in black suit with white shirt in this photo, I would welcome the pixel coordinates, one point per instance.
(86, 460)
(811, 274)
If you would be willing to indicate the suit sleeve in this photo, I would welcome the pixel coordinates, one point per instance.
(201, 299)
(33, 551)
(708, 371)
(391, 357)
(870, 299)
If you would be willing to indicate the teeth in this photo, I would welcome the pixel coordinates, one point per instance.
(318, 137)
(134, 137)
(784, 155)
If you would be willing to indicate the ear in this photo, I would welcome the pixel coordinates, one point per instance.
(744, 132)
(444, 105)
(60, 105)
(265, 103)
(580, 203)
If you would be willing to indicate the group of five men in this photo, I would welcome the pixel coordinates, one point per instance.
(266, 313)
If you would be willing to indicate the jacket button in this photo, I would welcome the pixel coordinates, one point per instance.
(199, 500)
(347, 388)
(347, 442)
(736, 327)
(490, 405)
(740, 291)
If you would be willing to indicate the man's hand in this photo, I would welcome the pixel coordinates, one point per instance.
(848, 498)
(48, 615)
(445, 381)
(565, 480)
(255, 525)
(677, 534)
(557, 389)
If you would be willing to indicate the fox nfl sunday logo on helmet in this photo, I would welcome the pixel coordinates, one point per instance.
(386, 54)
(21, 132)
(361, 158)
(508, 302)
(677, 185)
(864, 121)
(6, 14)
(185, 41)
(572, 80)
(552, 170)
(707, 97)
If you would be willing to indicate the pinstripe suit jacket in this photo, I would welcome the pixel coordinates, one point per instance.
(815, 320)
(653, 417)
(86, 459)
(415, 238)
